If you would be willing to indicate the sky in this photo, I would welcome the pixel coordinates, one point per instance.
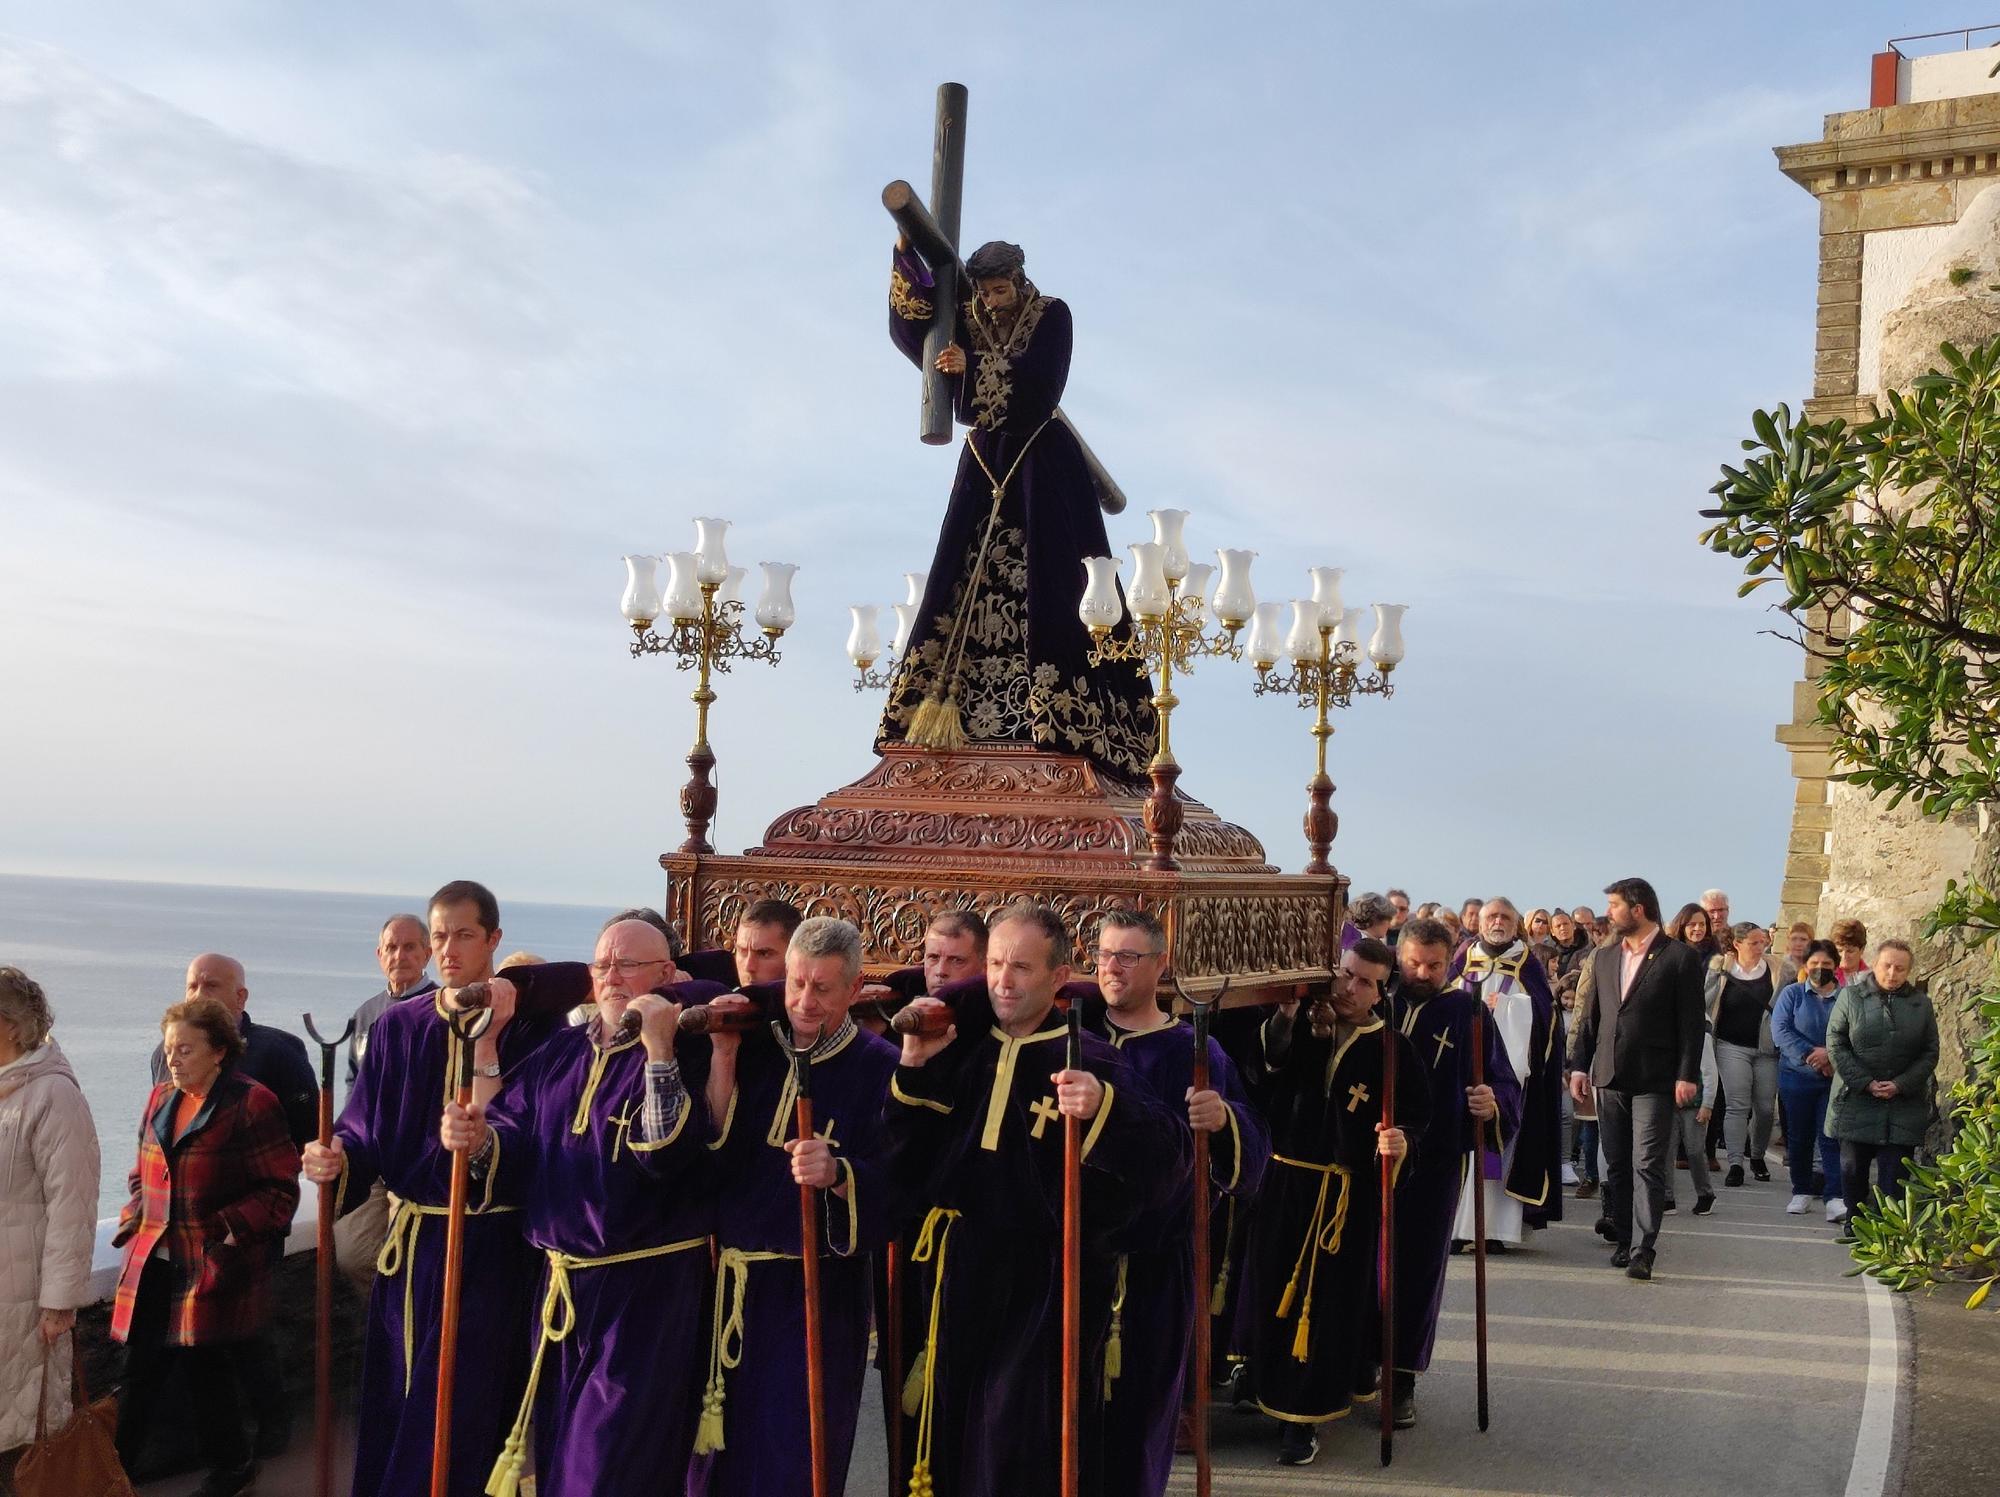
(344, 350)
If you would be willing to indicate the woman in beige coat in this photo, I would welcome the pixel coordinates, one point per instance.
(48, 1212)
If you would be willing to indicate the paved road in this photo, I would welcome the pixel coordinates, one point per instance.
(1739, 1371)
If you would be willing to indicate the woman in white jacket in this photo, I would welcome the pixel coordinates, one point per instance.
(48, 1212)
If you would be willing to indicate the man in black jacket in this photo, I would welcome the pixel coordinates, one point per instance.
(1639, 1044)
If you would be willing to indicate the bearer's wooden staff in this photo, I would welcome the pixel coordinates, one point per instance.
(323, 1274)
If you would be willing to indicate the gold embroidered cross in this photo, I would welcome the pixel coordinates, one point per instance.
(1444, 1044)
(1046, 1112)
(1356, 1095)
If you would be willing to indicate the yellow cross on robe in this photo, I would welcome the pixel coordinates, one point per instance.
(1045, 1112)
(1356, 1095)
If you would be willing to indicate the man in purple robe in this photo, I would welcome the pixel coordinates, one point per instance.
(1524, 1186)
(1437, 1020)
(387, 1131)
(753, 1439)
(1312, 1255)
(997, 653)
(976, 1126)
(1156, 1299)
(596, 1142)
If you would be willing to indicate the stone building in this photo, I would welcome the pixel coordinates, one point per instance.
(1909, 257)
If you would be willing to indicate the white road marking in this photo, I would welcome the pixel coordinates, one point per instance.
(1875, 1440)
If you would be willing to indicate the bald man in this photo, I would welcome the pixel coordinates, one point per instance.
(277, 1060)
(273, 1057)
(596, 1143)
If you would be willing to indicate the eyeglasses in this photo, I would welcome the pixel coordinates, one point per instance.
(1123, 958)
(624, 968)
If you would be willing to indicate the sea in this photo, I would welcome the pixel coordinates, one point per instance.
(112, 955)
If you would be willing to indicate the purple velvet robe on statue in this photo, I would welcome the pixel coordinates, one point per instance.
(1440, 1031)
(1015, 658)
(615, 1399)
(389, 1132)
(975, 1133)
(765, 1450)
(1156, 1323)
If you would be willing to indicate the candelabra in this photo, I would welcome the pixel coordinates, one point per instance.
(1169, 633)
(1324, 647)
(864, 640)
(706, 635)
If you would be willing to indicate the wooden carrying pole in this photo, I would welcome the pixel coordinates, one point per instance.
(1203, 1468)
(809, 1263)
(1477, 1185)
(468, 1025)
(892, 1390)
(323, 1275)
(1072, 1276)
(1386, 1391)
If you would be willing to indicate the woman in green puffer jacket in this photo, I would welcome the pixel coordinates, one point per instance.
(1883, 1040)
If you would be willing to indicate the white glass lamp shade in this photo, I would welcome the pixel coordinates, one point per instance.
(864, 640)
(1302, 639)
(641, 603)
(1234, 600)
(1101, 607)
(731, 590)
(775, 613)
(1348, 630)
(1147, 596)
(906, 620)
(683, 600)
(1386, 648)
(915, 582)
(1195, 585)
(1267, 636)
(1326, 592)
(712, 561)
(1168, 525)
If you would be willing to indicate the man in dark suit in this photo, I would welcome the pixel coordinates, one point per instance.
(1639, 1044)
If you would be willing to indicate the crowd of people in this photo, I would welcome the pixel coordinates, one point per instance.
(633, 1289)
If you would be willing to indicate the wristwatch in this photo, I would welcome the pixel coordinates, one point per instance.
(491, 1073)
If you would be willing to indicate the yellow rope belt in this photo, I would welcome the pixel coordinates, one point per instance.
(930, 1247)
(558, 1320)
(1322, 1236)
(1114, 1344)
(732, 1285)
(399, 1251)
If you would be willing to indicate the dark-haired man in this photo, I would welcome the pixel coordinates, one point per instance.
(975, 1125)
(1437, 1021)
(388, 1131)
(1153, 1323)
(1312, 1254)
(762, 936)
(1639, 1045)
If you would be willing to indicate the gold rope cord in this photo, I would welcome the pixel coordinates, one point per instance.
(937, 723)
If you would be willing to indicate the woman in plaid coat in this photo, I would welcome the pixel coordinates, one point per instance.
(215, 1185)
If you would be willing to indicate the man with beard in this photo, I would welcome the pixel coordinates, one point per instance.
(1639, 1045)
(1437, 1020)
(976, 1129)
(1312, 1255)
(1154, 1308)
(1523, 1186)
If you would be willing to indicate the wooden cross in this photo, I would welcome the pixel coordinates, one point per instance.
(1444, 1044)
(1356, 1095)
(1046, 1112)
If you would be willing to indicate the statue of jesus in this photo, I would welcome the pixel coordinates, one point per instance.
(997, 653)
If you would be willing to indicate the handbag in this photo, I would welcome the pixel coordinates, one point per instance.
(80, 1459)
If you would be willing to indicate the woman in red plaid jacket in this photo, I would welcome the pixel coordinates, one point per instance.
(214, 1187)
